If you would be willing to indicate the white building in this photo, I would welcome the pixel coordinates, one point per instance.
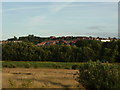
(105, 40)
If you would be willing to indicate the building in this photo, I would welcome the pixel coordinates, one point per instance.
(107, 40)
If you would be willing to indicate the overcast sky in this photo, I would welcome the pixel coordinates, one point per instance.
(60, 19)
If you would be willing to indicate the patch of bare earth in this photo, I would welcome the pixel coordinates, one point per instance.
(38, 78)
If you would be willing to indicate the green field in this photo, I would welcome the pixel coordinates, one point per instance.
(24, 64)
(60, 74)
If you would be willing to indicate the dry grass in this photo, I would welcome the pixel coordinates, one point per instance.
(38, 78)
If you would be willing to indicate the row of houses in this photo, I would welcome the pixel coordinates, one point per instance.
(53, 42)
(70, 42)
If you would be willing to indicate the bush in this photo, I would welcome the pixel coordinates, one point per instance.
(28, 65)
(94, 75)
(57, 66)
(75, 67)
(36, 66)
(13, 66)
(9, 65)
(67, 67)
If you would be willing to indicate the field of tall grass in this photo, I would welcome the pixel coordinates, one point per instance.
(90, 75)
(38, 78)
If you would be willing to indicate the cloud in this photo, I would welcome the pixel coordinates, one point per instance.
(57, 7)
(36, 21)
(60, 0)
(53, 9)
(98, 28)
(103, 34)
(23, 8)
(42, 20)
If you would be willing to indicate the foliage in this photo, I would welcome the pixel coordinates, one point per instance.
(97, 75)
(36, 39)
(11, 83)
(75, 67)
(56, 66)
(28, 65)
(85, 50)
(26, 84)
(23, 64)
(10, 65)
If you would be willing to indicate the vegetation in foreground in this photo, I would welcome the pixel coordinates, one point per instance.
(38, 78)
(91, 75)
(96, 75)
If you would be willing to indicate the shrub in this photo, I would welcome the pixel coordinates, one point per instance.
(26, 84)
(9, 65)
(28, 65)
(94, 75)
(75, 67)
(67, 67)
(4, 65)
(57, 66)
(11, 83)
(13, 66)
(36, 66)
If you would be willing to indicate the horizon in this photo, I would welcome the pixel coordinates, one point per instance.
(96, 19)
(57, 36)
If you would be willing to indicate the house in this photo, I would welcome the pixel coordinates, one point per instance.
(106, 40)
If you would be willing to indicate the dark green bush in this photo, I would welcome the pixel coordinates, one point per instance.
(4, 65)
(96, 75)
(28, 65)
(67, 67)
(13, 66)
(9, 65)
(75, 67)
(57, 66)
(36, 66)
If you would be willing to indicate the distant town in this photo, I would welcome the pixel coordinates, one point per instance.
(52, 40)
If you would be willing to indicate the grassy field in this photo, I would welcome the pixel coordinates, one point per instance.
(32, 64)
(38, 78)
(39, 74)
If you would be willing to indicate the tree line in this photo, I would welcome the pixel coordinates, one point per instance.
(36, 39)
(82, 51)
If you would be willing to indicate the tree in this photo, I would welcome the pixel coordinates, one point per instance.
(82, 43)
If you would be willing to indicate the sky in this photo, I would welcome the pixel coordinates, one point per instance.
(44, 19)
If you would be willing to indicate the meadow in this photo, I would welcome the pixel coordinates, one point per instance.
(32, 74)
(24, 74)
(38, 78)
